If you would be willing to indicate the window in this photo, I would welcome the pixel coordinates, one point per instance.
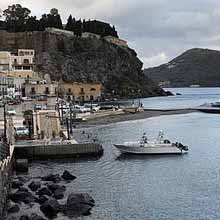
(92, 89)
(15, 60)
(33, 90)
(19, 75)
(26, 67)
(47, 90)
(82, 90)
(18, 68)
(26, 61)
(69, 90)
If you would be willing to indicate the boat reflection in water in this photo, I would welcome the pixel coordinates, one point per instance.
(159, 146)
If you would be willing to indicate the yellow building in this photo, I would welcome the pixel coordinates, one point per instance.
(39, 88)
(81, 91)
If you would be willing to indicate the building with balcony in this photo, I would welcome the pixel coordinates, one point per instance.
(22, 64)
(81, 91)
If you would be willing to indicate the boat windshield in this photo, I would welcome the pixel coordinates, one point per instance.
(160, 138)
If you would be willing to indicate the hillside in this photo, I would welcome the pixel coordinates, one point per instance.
(195, 66)
(85, 60)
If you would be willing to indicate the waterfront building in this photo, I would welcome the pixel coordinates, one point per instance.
(90, 35)
(3, 83)
(117, 41)
(38, 88)
(81, 91)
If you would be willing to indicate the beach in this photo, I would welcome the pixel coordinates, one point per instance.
(120, 117)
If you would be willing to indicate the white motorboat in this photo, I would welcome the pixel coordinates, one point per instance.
(160, 146)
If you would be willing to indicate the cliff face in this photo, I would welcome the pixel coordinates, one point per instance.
(195, 66)
(85, 60)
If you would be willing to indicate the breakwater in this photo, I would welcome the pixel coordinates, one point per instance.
(59, 151)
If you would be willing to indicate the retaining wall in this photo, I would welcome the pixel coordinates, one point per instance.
(5, 179)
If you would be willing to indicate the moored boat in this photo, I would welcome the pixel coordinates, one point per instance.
(160, 146)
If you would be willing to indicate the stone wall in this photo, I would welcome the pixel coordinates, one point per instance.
(5, 178)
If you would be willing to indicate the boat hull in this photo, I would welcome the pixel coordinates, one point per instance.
(148, 150)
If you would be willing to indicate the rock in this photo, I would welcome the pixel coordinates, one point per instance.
(44, 191)
(18, 196)
(52, 177)
(23, 179)
(12, 207)
(50, 208)
(23, 189)
(30, 198)
(21, 165)
(16, 184)
(42, 199)
(22, 196)
(68, 176)
(54, 187)
(59, 192)
(36, 217)
(24, 217)
(34, 186)
(79, 204)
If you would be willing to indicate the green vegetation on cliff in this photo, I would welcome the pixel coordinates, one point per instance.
(18, 19)
(195, 66)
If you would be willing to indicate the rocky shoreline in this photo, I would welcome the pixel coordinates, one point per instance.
(45, 198)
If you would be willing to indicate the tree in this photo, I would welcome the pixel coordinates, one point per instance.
(16, 17)
(69, 25)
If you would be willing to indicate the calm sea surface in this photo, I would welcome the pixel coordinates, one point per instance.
(185, 187)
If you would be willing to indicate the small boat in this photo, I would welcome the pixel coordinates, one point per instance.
(160, 146)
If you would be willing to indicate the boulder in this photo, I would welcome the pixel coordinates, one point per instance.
(12, 207)
(24, 217)
(68, 176)
(30, 198)
(22, 196)
(50, 208)
(79, 204)
(44, 191)
(16, 184)
(52, 177)
(36, 217)
(34, 186)
(21, 165)
(23, 189)
(53, 187)
(18, 196)
(42, 199)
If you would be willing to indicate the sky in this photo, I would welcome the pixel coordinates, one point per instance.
(159, 30)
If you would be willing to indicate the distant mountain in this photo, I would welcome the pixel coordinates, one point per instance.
(195, 66)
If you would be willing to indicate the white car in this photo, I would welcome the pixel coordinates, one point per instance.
(11, 112)
(22, 131)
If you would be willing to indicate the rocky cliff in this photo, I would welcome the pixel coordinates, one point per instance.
(195, 66)
(85, 60)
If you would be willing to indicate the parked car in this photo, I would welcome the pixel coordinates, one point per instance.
(21, 131)
(92, 107)
(11, 112)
